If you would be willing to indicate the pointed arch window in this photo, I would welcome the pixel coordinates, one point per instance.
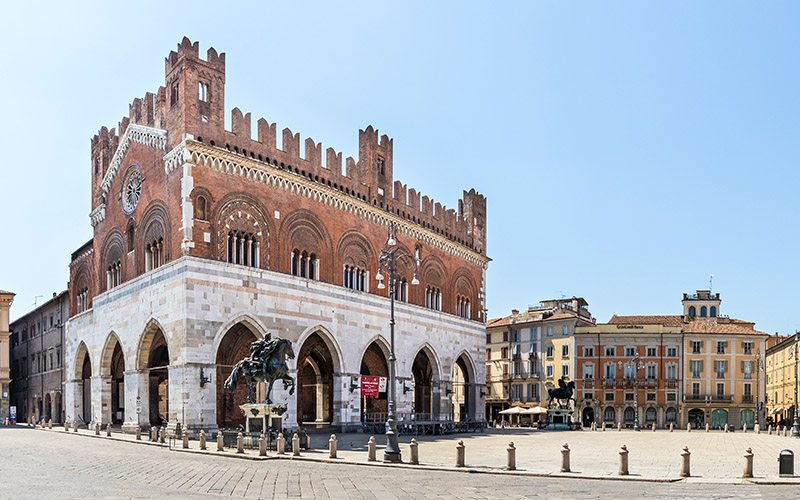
(305, 264)
(243, 248)
(703, 311)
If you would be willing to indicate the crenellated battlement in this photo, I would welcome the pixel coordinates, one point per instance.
(185, 107)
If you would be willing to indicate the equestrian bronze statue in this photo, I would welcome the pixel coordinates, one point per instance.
(267, 363)
(564, 392)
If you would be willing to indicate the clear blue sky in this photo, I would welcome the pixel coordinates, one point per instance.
(628, 150)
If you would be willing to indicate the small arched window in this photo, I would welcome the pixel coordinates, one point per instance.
(713, 312)
(130, 234)
(200, 208)
(692, 312)
(703, 311)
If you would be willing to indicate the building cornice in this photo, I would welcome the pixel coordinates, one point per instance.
(98, 215)
(190, 151)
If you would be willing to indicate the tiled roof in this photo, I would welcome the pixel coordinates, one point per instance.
(560, 316)
(670, 320)
(499, 321)
(707, 325)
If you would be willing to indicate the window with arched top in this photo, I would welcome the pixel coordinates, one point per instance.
(703, 311)
(713, 312)
(692, 312)
(609, 415)
(130, 233)
(243, 248)
(305, 264)
(200, 208)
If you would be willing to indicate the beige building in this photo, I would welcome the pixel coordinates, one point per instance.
(6, 298)
(528, 352)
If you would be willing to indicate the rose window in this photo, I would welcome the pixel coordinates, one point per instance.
(132, 190)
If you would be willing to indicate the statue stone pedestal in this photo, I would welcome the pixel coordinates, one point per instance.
(559, 419)
(261, 417)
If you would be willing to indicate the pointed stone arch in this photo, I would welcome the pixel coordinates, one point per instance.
(464, 387)
(319, 366)
(153, 359)
(374, 362)
(146, 340)
(426, 373)
(112, 373)
(233, 346)
(252, 322)
(330, 341)
(83, 388)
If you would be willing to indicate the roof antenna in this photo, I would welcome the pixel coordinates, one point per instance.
(36, 299)
(710, 281)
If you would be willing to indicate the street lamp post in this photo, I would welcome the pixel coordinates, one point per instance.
(758, 386)
(796, 424)
(637, 364)
(388, 261)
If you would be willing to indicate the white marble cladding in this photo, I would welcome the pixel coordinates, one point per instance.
(196, 301)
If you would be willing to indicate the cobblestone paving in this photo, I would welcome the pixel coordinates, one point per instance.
(52, 464)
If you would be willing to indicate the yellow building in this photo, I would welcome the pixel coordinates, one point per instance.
(721, 365)
(780, 368)
(527, 352)
(6, 298)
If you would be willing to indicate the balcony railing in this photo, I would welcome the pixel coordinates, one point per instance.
(609, 382)
(722, 397)
(696, 397)
(671, 383)
(709, 397)
(747, 398)
(588, 383)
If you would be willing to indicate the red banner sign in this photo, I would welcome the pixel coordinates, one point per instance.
(370, 386)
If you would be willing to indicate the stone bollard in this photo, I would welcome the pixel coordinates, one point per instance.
(769, 430)
(685, 454)
(688, 427)
(623, 461)
(604, 426)
(280, 444)
(75, 426)
(671, 426)
(185, 436)
(66, 426)
(708, 427)
(162, 435)
(153, 434)
(565, 458)
(460, 454)
(296, 445)
(748, 463)
(332, 446)
(414, 452)
(371, 451)
(202, 439)
(744, 429)
(138, 432)
(108, 430)
(97, 429)
(262, 446)
(240, 443)
(511, 461)
(726, 427)
(220, 442)
(619, 426)
(50, 424)
(654, 426)
(757, 428)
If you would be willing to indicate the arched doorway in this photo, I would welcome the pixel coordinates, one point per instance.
(650, 416)
(672, 415)
(48, 408)
(748, 418)
(423, 377)
(697, 418)
(84, 376)
(629, 415)
(588, 416)
(315, 370)
(112, 370)
(234, 347)
(156, 361)
(609, 414)
(374, 364)
(719, 418)
(462, 390)
(58, 417)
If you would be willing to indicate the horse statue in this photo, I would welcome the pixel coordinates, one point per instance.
(266, 363)
(564, 392)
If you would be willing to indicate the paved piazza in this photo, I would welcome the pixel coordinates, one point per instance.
(53, 464)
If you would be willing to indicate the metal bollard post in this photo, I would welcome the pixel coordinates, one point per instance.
(280, 444)
(371, 451)
(220, 442)
(460, 453)
(202, 439)
(685, 454)
(108, 430)
(511, 462)
(565, 458)
(138, 432)
(75, 426)
(296, 445)
(185, 436)
(262, 446)
(332, 446)
(748, 463)
(671, 426)
(623, 461)
(414, 452)
(240, 443)
(97, 428)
